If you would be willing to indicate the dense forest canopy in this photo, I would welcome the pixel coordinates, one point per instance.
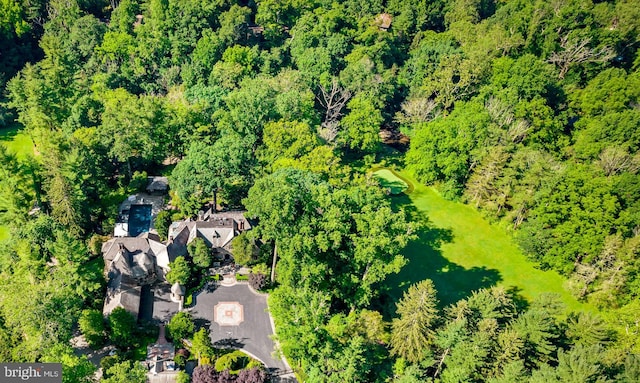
(527, 110)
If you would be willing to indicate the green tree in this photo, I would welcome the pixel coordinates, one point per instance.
(201, 346)
(163, 221)
(243, 249)
(207, 170)
(413, 332)
(200, 253)
(361, 126)
(181, 326)
(122, 326)
(91, 324)
(75, 369)
(179, 271)
(442, 150)
(286, 140)
(127, 372)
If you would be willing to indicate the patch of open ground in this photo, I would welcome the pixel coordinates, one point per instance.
(462, 252)
(17, 142)
(391, 181)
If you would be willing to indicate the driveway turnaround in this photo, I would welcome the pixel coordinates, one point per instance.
(238, 318)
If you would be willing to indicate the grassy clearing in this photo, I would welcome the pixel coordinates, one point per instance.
(461, 252)
(17, 142)
(389, 180)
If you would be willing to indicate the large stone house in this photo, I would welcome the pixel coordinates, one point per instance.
(134, 262)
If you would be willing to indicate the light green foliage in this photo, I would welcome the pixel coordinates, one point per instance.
(127, 372)
(200, 253)
(412, 333)
(12, 19)
(162, 223)
(233, 361)
(285, 141)
(243, 249)
(180, 271)
(75, 369)
(183, 377)
(91, 324)
(122, 327)
(360, 127)
(181, 326)
(15, 188)
(201, 346)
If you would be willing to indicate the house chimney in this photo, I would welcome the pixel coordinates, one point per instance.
(201, 215)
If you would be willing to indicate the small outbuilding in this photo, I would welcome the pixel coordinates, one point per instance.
(177, 292)
(383, 21)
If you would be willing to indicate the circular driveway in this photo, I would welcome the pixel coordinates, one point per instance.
(252, 334)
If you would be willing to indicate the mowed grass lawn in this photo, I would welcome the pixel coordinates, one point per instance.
(390, 181)
(16, 142)
(462, 252)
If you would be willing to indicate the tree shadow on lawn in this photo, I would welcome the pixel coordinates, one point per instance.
(425, 261)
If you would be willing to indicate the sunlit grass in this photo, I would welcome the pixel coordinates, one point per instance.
(17, 142)
(390, 181)
(462, 252)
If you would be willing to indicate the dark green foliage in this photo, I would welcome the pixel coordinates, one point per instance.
(181, 326)
(91, 324)
(163, 221)
(122, 326)
(139, 181)
(200, 253)
(243, 249)
(180, 271)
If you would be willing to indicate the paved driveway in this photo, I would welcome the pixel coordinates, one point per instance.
(252, 334)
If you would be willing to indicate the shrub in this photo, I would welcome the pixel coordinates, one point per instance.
(107, 362)
(183, 377)
(180, 360)
(95, 243)
(233, 362)
(258, 281)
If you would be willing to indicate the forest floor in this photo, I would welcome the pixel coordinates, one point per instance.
(462, 252)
